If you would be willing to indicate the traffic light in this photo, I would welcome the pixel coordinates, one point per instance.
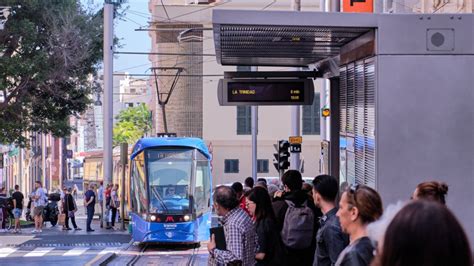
(281, 161)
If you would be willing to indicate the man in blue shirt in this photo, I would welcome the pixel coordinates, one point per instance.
(89, 203)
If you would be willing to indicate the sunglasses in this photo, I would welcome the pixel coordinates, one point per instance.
(353, 190)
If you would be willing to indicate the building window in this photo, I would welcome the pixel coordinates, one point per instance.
(231, 166)
(262, 166)
(311, 117)
(244, 120)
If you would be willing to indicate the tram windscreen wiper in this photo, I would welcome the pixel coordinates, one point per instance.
(157, 195)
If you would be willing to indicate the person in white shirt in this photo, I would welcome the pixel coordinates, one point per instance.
(39, 202)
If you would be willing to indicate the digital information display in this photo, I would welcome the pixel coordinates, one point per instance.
(266, 92)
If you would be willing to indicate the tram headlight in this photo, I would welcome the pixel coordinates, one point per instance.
(187, 218)
(152, 218)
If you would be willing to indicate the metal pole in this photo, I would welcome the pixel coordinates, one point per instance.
(163, 111)
(295, 111)
(124, 161)
(254, 110)
(254, 114)
(20, 169)
(108, 95)
(43, 158)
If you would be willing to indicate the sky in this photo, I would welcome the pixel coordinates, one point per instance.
(136, 16)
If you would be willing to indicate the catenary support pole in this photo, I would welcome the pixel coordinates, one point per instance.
(108, 94)
(254, 114)
(124, 161)
(295, 111)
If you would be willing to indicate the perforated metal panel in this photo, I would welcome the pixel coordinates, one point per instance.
(369, 122)
(357, 108)
(280, 45)
(343, 99)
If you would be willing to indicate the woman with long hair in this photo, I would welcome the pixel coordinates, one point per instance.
(260, 208)
(424, 233)
(359, 206)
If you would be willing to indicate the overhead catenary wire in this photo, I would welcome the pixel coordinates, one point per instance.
(162, 53)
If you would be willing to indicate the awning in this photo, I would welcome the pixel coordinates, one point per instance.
(280, 38)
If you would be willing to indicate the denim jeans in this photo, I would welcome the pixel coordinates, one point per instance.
(90, 214)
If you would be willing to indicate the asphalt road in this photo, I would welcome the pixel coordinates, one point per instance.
(68, 250)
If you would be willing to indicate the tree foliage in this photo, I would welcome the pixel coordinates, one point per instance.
(49, 50)
(133, 123)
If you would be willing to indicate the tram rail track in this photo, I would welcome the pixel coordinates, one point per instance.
(165, 255)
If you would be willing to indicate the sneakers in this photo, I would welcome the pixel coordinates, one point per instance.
(35, 231)
(77, 229)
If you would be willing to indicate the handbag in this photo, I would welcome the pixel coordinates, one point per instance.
(62, 219)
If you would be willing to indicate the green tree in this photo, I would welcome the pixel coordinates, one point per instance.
(133, 123)
(49, 50)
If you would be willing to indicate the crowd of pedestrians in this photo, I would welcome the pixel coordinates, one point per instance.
(67, 196)
(326, 224)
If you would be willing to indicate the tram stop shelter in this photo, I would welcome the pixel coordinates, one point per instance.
(401, 91)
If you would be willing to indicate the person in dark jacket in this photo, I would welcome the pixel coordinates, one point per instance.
(293, 182)
(359, 206)
(330, 240)
(69, 208)
(260, 207)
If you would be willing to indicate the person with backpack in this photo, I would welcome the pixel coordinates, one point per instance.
(69, 208)
(39, 202)
(114, 205)
(296, 221)
(330, 240)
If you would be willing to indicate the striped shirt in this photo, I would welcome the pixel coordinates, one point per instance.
(240, 238)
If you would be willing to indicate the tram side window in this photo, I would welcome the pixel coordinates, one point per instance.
(202, 193)
(139, 195)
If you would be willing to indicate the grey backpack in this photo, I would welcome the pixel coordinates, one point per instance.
(298, 226)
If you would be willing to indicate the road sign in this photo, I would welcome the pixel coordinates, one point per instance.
(265, 92)
(295, 139)
(295, 148)
(358, 6)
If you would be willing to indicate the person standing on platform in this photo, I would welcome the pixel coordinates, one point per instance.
(39, 202)
(17, 207)
(89, 203)
(100, 198)
(114, 205)
(330, 240)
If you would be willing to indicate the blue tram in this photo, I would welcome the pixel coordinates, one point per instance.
(170, 190)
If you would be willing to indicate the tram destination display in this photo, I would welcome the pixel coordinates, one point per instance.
(265, 92)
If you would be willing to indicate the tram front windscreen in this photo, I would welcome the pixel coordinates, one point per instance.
(169, 175)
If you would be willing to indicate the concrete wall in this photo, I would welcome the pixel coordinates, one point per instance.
(425, 125)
